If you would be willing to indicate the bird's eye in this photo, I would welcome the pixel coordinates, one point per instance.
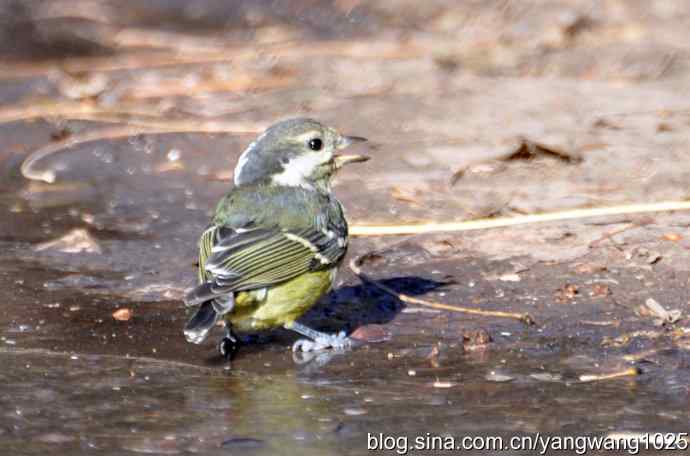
(315, 144)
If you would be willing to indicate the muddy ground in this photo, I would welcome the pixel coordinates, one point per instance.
(141, 110)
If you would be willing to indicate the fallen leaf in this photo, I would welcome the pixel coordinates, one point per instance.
(589, 268)
(600, 290)
(405, 196)
(662, 316)
(663, 127)
(371, 334)
(567, 292)
(76, 241)
(528, 150)
(476, 337)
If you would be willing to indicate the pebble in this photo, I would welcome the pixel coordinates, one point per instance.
(355, 411)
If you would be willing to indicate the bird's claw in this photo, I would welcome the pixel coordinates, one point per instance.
(228, 347)
(336, 341)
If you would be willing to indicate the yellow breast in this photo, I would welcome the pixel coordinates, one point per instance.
(279, 305)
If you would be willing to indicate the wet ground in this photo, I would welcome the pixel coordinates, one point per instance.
(142, 112)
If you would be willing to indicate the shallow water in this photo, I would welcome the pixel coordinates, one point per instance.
(75, 379)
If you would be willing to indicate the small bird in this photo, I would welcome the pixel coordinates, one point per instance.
(277, 238)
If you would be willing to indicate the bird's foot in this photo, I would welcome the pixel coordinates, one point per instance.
(322, 341)
(228, 345)
(314, 360)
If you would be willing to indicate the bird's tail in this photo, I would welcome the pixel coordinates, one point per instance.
(207, 315)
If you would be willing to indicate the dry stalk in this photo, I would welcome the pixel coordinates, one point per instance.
(482, 224)
(631, 372)
(355, 265)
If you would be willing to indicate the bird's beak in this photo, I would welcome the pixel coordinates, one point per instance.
(346, 141)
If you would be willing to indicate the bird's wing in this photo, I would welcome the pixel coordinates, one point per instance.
(235, 259)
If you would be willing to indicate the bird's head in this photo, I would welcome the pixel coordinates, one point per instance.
(296, 152)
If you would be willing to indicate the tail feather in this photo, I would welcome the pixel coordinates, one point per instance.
(210, 311)
(197, 328)
(199, 295)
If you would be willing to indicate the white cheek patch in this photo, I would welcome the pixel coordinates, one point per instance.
(297, 170)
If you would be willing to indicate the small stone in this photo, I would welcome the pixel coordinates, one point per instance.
(509, 278)
(497, 377)
(355, 411)
(123, 314)
(173, 155)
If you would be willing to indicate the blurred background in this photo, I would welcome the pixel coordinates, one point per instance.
(120, 125)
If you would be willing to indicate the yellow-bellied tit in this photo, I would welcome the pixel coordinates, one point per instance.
(276, 240)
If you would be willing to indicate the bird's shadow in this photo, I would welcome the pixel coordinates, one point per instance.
(347, 308)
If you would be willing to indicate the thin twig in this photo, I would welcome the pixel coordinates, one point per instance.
(141, 359)
(169, 126)
(355, 266)
(136, 61)
(482, 224)
(635, 357)
(71, 110)
(68, 109)
(631, 372)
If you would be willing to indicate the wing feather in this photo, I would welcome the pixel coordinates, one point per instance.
(246, 259)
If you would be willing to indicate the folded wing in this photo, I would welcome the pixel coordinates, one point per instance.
(233, 260)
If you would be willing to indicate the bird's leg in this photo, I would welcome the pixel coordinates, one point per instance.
(319, 340)
(229, 344)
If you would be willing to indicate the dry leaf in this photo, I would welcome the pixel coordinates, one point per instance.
(662, 315)
(76, 241)
(567, 292)
(404, 196)
(600, 290)
(528, 150)
(371, 333)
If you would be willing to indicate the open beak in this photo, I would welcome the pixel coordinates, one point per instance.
(346, 141)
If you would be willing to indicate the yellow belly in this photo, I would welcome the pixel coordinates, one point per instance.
(279, 305)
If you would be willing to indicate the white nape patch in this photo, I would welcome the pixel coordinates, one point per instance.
(242, 161)
(299, 168)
